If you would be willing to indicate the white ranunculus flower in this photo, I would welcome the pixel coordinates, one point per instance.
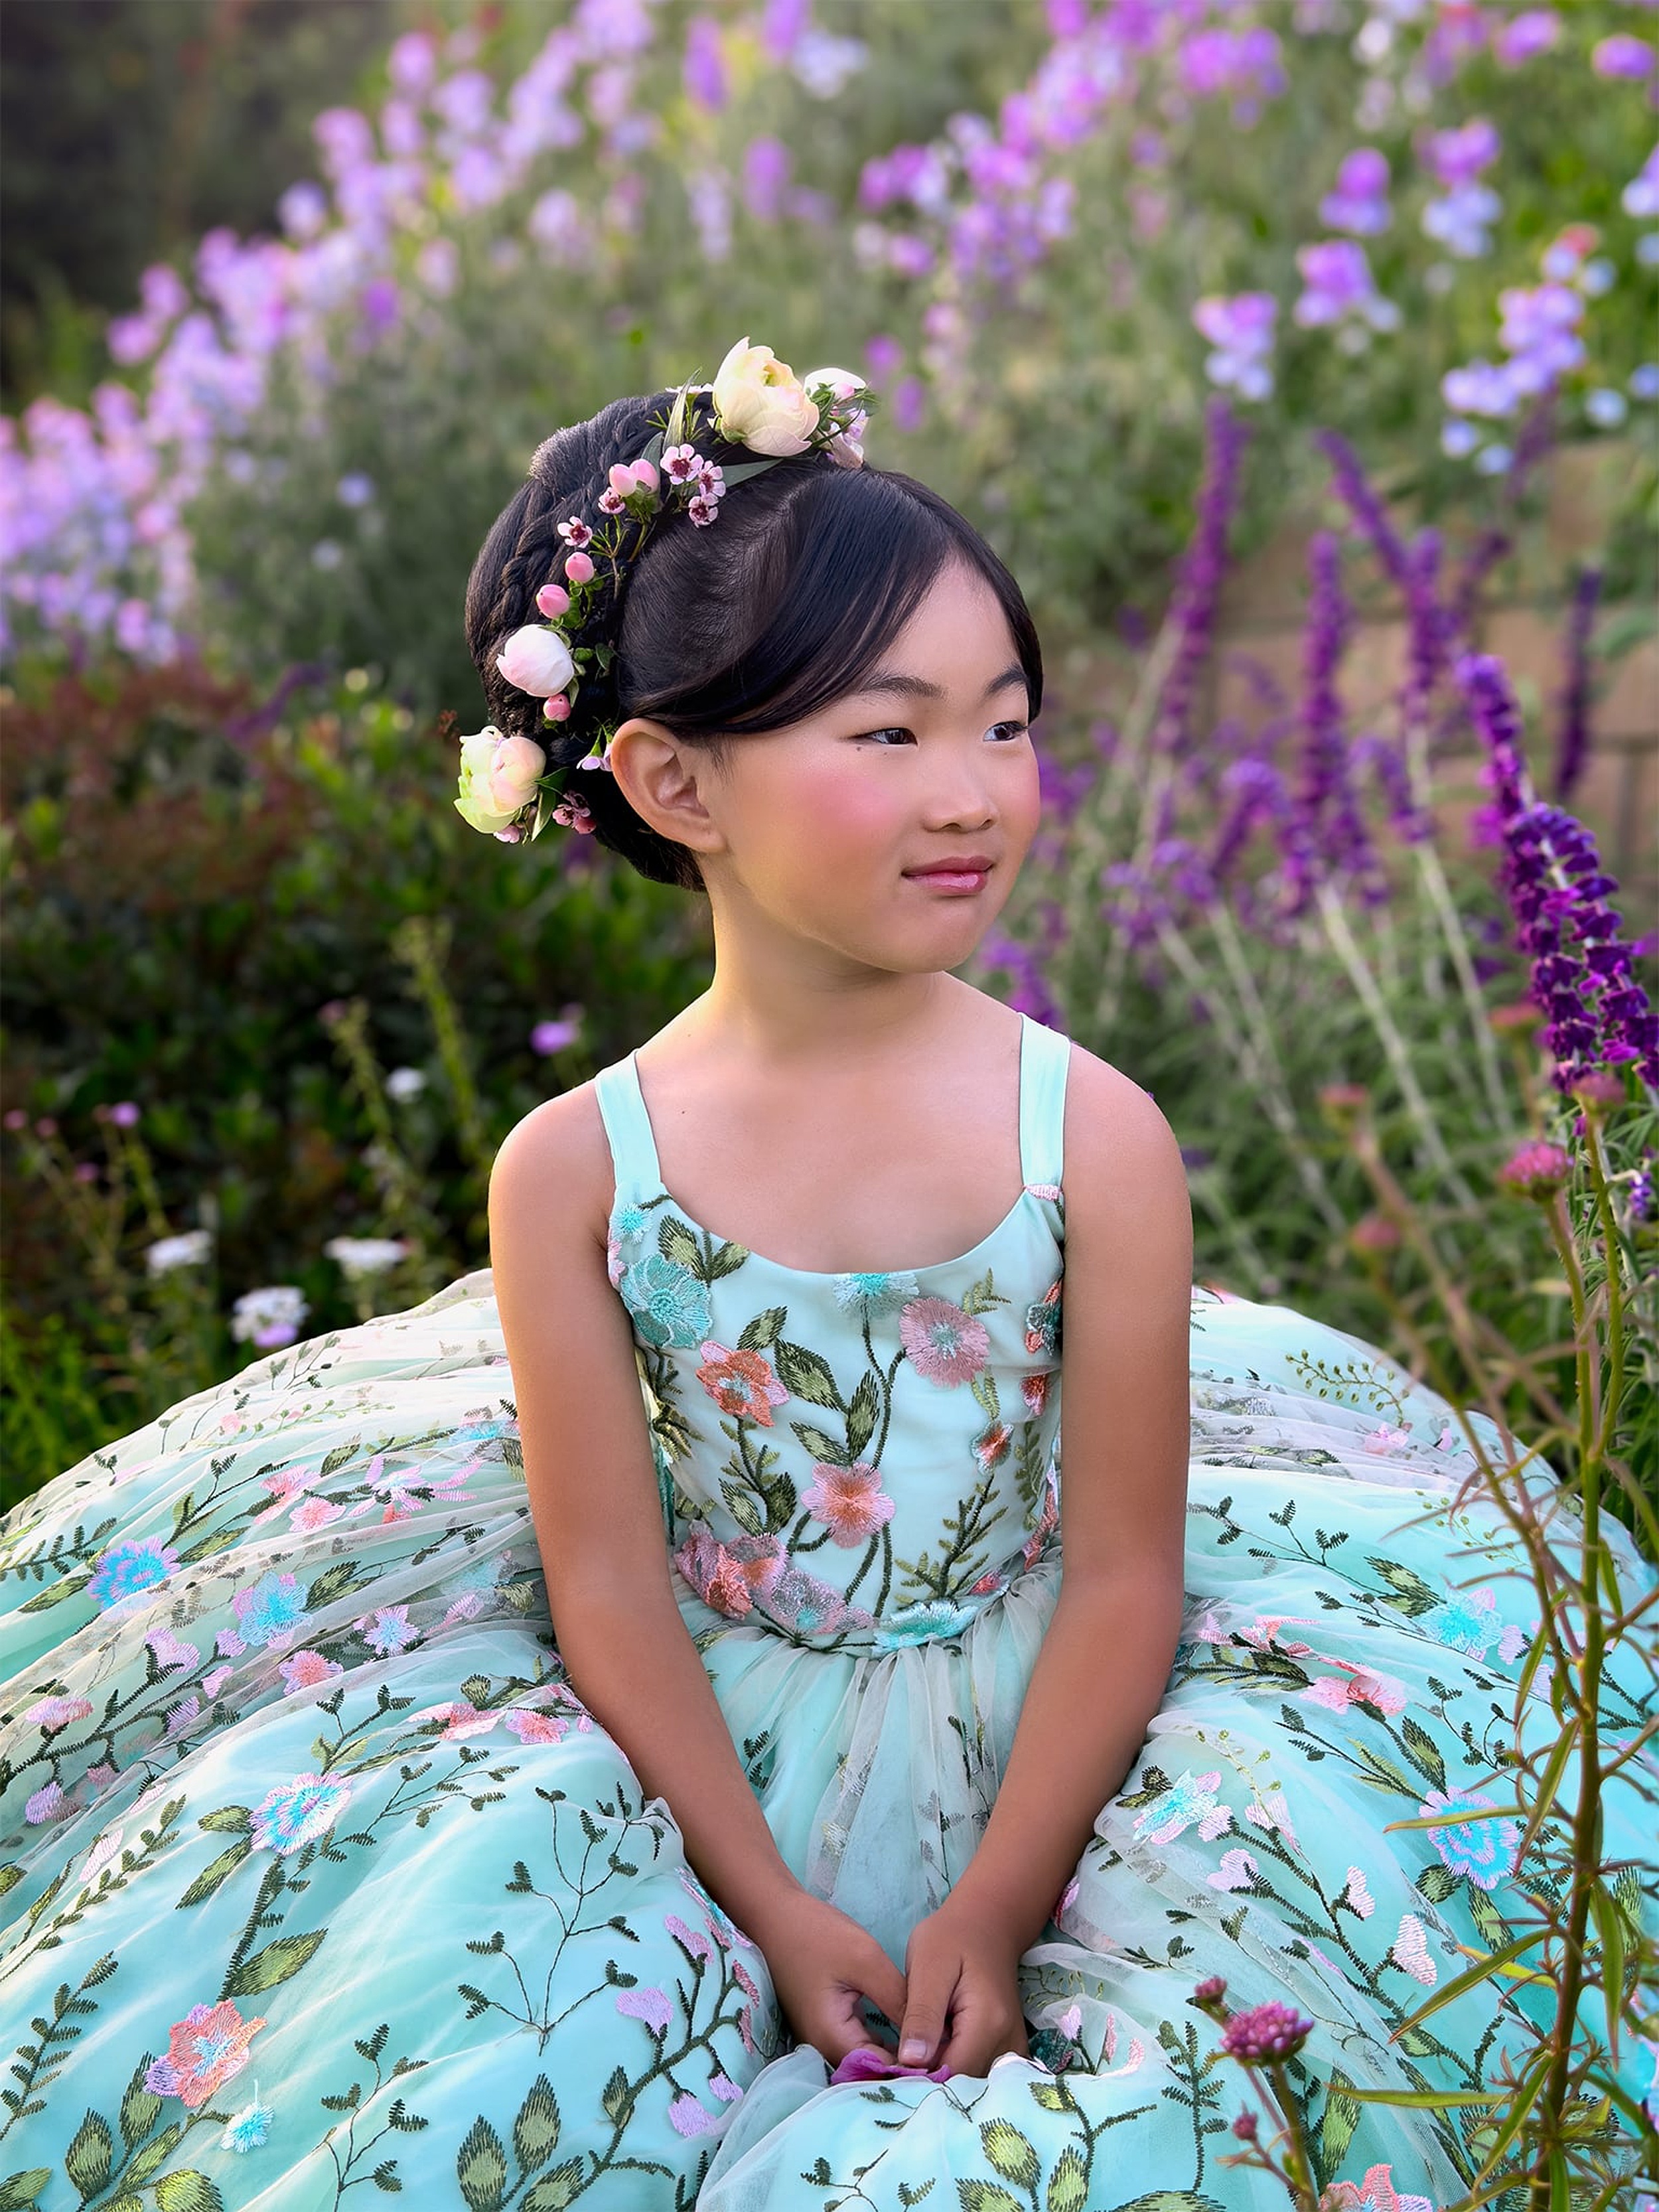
(498, 777)
(842, 382)
(536, 660)
(762, 403)
(188, 1250)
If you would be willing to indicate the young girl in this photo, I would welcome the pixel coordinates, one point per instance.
(676, 1768)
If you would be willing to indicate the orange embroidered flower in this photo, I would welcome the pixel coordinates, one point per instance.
(945, 1345)
(740, 1382)
(1042, 1321)
(728, 1588)
(991, 1444)
(1035, 1389)
(205, 2049)
(849, 1500)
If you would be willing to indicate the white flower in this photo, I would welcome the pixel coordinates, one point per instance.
(762, 403)
(186, 1251)
(366, 1256)
(270, 1317)
(537, 659)
(498, 777)
(404, 1082)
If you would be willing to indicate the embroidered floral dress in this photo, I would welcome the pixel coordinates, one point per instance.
(319, 1882)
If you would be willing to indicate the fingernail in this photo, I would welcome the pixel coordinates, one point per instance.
(912, 2051)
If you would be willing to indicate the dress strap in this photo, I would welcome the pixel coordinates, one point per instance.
(628, 1126)
(1044, 1057)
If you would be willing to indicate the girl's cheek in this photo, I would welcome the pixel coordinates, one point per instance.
(844, 812)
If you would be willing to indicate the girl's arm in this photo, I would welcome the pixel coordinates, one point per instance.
(593, 1487)
(1106, 1657)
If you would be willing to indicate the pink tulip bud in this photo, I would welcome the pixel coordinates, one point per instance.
(557, 708)
(579, 568)
(645, 475)
(552, 599)
(622, 480)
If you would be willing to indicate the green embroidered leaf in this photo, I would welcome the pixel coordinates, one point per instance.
(555, 2190)
(481, 2168)
(141, 2108)
(88, 2160)
(70, 1586)
(233, 1820)
(675, 1242)
(182, 1509)
(1011, 2154)
(764, 1330)
(984, 1389)
(805, 1374)
(333, 1582)
(536, 2131)
(1068, 2185)
(341, 1454)
(210, 1876)
(1436, 1883)
(277, 1962)
(862, 1415)
(1424, 1752)
(618, 2099)
(189, 2191)
(725, 1259)
(18, 2190)
(744, 1507)
(986, 2197)
(821, 1446)
(1171, 2200)
(9, 1877)
(908, 2193)
(155, 2154)
(1053, 2096)
(1338, 2122)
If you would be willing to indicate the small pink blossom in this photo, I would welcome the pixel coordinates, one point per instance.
(186, 1712)
(170, 1652)
(314, 1513)
(1238, 1871)
(650, 2005)
(98, 1777)
(1384, 1440)
(214, 1680)
(557, 708)
(204, 2049)
(578, 568)
(552, 600)
(690, 2118)
(107, 1848)
(537, 1728)
(576, 534)
(692, 1941)
(850, 1501)
(680, 464)
(304, 1668)
(945, 1345)
(1357, 1896)
(612, 502)
(48, 1803)
(57, 1712)
(702, 511)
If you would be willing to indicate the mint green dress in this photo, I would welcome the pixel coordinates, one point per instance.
(320, 1884)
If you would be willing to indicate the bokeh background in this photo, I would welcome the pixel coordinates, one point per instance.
(1294, 354)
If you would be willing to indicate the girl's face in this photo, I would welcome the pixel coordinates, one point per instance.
(829, 828)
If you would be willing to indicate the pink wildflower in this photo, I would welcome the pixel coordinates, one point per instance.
(850, 1501)
(945, 1345)
(576, 534)
(306, 1667)
(204, 2049)
(702, 511)
(1536, 1171)
(57, 1712)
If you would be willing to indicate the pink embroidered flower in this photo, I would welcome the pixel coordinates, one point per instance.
(576, 534)
(204, 2049)
(850, 1501)
(314, 1513)
(987, 1586)
(170, 1652)
(57, 1712)
(652, 2006)
(183, 1714)
(537, 1728)
(1356, 1896)
(728, 1590)
(1338, 1692)
(214, 1680)
(721, 2085)
(1047, 1521)
(1238, 1871)
(1410, 1951)
(306, 1667)
(740, 1382)
(990, 1446)
(718, 1576)
(460, 1720)
(389, 1629)
(945, 1345)
(1035, 1389)
(107, 1848)
(689, 2118)
(692, 1941)
(100, 1776)
(48, 1804)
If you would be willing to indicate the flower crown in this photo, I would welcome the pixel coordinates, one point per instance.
(507, 788)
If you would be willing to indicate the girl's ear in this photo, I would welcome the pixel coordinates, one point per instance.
(660, 775)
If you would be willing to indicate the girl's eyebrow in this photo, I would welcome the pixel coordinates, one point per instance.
(918, 687)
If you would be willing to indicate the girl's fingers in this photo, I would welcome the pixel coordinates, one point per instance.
(927, 2003)
(883, 1984)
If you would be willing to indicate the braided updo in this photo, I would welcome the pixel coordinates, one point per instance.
(780, 606)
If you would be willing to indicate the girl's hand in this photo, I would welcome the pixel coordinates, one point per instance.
(961, 2010)
(822, 1964)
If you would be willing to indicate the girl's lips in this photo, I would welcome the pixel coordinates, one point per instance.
(951, 879)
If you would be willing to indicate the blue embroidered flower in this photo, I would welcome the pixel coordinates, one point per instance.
(268, 1612)
(628, 1220)
(126, 1573)
(921, 1622)
(874, 1290)
(297, 1813)
(1483, 1849)
(248, 2128)
(1470, 1622)
(668, 1304)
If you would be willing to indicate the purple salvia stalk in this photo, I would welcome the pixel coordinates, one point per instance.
(1596, 1013)
(1203, 568)
(1029, 993)
(1573, 749)
(1257, 790)
(1363, 504)
(1479, 563)
(1324, 831)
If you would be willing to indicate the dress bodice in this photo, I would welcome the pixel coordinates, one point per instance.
(858, 1461)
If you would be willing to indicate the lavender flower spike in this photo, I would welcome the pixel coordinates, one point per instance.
(1202, 571)
(1574, 746)
(1363, 504)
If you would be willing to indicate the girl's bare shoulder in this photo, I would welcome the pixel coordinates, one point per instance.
(553, 1169)
(1121, 1160)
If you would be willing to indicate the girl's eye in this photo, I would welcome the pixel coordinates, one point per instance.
(1015, 732)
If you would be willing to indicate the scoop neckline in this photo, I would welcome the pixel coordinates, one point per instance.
(837, 1274)
(658, 1188)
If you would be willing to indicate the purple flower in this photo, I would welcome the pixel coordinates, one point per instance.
(1458, 157)
(1623, 55)
(1360, 202)
(1363, 505)
(1203, 568)
(1573, 749)
(1461, 220)
(1241, 330)
(1324, 830)
(766, 169)
(1532, 32)
(705, 65)
(652, 2006)
(553, 1036)
(1338, 287)
(1266, 2033)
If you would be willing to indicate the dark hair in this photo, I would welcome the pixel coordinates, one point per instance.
(780, 606)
